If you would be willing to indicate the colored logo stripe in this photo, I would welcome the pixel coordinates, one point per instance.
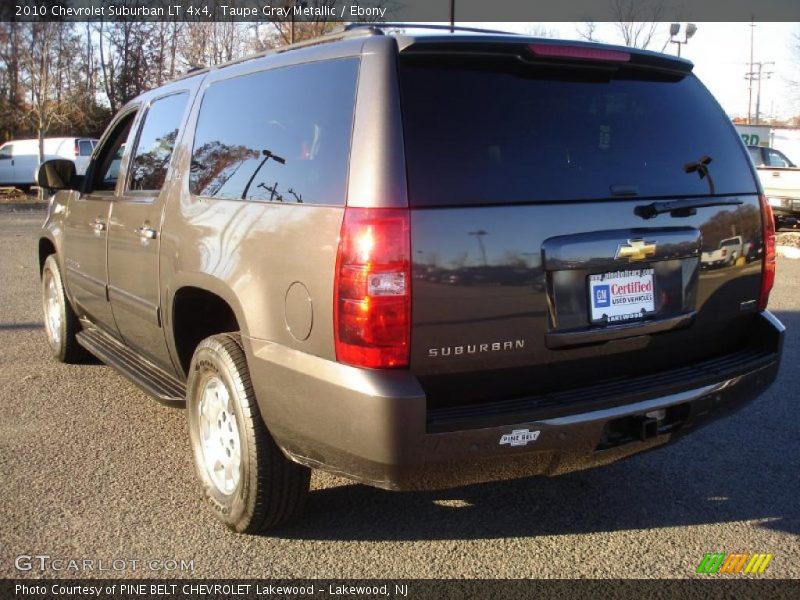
(711, 562)
(716, 562)
(758, 563)
(734, 563)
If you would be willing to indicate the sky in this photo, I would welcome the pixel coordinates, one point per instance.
(720, 52)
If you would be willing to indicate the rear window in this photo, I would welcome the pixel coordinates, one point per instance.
(505, 134)
(272, 136)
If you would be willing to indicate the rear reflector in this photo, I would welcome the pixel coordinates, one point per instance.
(579, 53)
(372, 291)
(768, 268)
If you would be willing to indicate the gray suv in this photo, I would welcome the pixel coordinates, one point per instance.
(416, 261)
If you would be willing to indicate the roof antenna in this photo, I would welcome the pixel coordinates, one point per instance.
(452, 16)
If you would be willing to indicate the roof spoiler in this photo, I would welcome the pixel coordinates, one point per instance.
(545, 51)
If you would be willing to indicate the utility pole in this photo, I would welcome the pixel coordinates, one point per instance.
(749, 76)
(757, 73)
(761, 76)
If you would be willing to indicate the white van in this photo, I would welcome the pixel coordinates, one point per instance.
(20, 158)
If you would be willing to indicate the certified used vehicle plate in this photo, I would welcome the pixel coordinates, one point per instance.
(621, 295)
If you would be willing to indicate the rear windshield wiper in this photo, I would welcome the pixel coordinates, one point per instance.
(682, 208)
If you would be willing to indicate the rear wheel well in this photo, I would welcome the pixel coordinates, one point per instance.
(196, 315)
(46, 248)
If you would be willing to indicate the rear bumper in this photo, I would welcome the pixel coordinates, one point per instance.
(373, 426)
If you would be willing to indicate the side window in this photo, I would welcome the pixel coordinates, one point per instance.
(5, 151)
(272, 137)
(85, 148)
(156, 141)
(105, 168)
(777, 159)
(755, 154)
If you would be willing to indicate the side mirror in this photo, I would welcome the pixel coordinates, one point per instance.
(57, 174)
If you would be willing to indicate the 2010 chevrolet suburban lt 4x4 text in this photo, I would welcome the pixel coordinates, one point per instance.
(417, 261)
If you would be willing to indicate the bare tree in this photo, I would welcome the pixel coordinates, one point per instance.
(637, 21)
(40, 58)
(11, 96)
(540, 31)
(587, 31)
(794, 82)
(126, 59)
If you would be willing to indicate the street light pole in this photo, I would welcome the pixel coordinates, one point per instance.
(479, 236)
(675, 28)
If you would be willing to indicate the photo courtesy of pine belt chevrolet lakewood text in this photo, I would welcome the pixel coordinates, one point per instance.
(417, 261)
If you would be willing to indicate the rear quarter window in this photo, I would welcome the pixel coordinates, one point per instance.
(755, 155)
(281, 135)
(501, 133)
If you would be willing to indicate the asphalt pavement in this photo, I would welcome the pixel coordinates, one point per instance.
(93, 469)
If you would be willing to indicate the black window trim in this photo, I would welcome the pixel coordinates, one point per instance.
(150, 196)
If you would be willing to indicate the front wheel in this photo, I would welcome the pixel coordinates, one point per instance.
(60, 322)
(250, 484)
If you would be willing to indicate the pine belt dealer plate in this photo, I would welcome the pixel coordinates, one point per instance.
(621, 295)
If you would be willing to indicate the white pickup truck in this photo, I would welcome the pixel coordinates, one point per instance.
(726, 254)
(780, 179)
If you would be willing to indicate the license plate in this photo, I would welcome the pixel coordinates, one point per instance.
(621, 295)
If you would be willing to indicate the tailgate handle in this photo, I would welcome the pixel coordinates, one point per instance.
(681, 208)
(567, 339)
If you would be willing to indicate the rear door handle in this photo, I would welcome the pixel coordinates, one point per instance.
(97, 225)
(776, 173)
(146, 232)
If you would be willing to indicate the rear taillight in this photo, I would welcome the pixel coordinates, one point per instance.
(372, 291)
(77, 150)
(768, 268)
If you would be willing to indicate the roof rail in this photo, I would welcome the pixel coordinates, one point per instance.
(379, 26)
(323, 39)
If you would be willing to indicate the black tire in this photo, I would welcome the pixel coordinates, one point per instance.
(271, 490)
(61, 324)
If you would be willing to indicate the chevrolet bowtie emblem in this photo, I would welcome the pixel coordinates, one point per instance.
(635, 250)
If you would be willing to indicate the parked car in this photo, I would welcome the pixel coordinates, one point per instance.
(726, 254)
(780, 178)
(19, 159)
(268, 256)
